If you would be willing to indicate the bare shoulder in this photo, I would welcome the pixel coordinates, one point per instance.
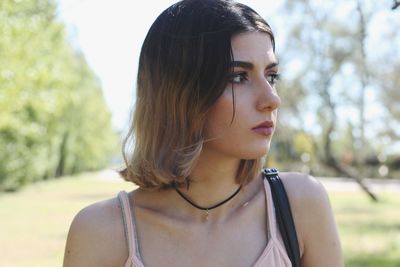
(96, 236)
(303, 187)
(315, 224)
(307, 196)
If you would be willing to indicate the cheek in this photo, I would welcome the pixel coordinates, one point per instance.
(219, 117)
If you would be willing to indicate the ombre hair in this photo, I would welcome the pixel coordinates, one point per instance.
(184, 66)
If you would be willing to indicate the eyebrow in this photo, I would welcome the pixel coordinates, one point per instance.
(248, 65)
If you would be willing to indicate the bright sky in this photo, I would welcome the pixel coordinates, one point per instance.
(110, 34)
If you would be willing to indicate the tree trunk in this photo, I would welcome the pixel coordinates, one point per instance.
(60, 171)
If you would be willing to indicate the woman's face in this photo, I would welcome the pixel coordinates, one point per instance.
(255, 69)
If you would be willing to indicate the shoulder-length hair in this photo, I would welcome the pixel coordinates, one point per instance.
(184, 65)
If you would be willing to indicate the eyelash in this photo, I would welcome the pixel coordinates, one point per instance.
(241, 75)
(274, 77)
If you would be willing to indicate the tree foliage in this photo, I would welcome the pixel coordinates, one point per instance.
(53, 117)
(342, 66)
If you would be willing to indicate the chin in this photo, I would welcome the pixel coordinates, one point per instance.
(256, 154)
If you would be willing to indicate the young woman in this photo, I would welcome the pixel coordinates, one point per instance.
(205, 113)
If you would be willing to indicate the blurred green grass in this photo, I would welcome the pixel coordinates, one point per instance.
(34, 222)
(370, 232)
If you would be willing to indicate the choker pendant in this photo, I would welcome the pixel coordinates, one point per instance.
(205, 215)
(206, 209)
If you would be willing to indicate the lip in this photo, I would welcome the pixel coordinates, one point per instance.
(265, 128)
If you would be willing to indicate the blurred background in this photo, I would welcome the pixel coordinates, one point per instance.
(67, 84)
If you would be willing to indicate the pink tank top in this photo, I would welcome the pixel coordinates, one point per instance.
(274, 254)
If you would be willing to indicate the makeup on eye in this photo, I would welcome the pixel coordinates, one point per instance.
(272, 78)
(238, 77)
(242, 76)
(241, 70)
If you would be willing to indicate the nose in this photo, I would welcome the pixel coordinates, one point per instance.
(268, 98)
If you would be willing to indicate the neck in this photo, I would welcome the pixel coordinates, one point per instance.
(213, 180)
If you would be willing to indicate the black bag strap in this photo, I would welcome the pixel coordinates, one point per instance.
(283, 215)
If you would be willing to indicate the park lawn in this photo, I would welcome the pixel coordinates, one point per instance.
(37, 218)
(34, 222)
(370, 232)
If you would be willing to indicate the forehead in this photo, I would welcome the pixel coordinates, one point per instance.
(252, 47)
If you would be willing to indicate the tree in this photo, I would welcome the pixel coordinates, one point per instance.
(329, 41)
(54, 120)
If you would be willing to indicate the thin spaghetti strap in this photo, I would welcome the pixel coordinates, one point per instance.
(270, 210)
(128, 223)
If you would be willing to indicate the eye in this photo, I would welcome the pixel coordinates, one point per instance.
(272, 78)
(238, 77)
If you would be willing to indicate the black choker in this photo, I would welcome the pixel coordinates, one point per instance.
(207, 209)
